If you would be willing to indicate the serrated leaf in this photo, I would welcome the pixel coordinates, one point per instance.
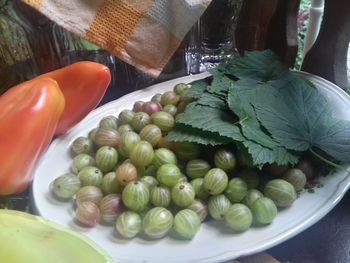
(262, 155)
(299, 117)
(185, 133)
(211, 100)
(220, 84)
(197, 88)
(212, 120)
(238, 99)
(258, 65)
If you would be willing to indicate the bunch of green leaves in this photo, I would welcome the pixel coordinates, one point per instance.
(255, 102)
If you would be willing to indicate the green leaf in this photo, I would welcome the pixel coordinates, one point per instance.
(211, 100)
(239, 96)
(197, 88)
(299, 117)
(262, 155)
(258, 65)
(184, 133)
(211, 120)
(220, 84)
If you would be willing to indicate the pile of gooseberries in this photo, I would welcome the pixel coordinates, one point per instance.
(125, 174)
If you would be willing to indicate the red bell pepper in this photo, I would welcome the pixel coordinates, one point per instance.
(83, 85)
(29, 116)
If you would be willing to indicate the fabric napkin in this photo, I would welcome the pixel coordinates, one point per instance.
(143, 33)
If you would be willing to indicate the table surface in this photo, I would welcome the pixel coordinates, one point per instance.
(327, 241)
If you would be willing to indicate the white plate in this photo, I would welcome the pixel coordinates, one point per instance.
(212, 243)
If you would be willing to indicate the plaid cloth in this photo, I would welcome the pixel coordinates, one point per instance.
(143, 33)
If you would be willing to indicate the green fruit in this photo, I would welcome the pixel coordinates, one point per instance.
(107, 137)
(264, 210)
(186, 223)
(80, 161)
(125, 117)
(157, 222)
(140, 120)
(200, 208)
(296, 177)
(164, 156)
(168, 174)
(136, 196)
(197, 168)
(142, 154)
(198, 187)
(238, 217)
(128, 224)
(106, 158)
(182, 194)
(90, 175)
(160, 196)
(218, 205)
(187, 151)
(151, 133)
(150, 181)
(110, 184)
(65, 186)
(251, 196)
(124, 129)
(82, 145)
(180, 87)
(236, 190)
(109, 122)
(163, 120)
(281, 192)
(127, 142)
(169, 97)
(215, 181)
(171, 109)
(225, 160)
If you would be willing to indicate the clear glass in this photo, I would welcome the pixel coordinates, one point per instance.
(211, 40)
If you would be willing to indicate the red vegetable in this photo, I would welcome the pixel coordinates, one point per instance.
(29, 116)
(83, 85)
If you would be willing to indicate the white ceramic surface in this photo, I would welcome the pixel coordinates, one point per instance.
(213, 243)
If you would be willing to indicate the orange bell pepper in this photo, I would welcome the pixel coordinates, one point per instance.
(29, 116)
(83, 85)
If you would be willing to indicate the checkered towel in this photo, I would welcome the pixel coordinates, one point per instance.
(143, 33)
